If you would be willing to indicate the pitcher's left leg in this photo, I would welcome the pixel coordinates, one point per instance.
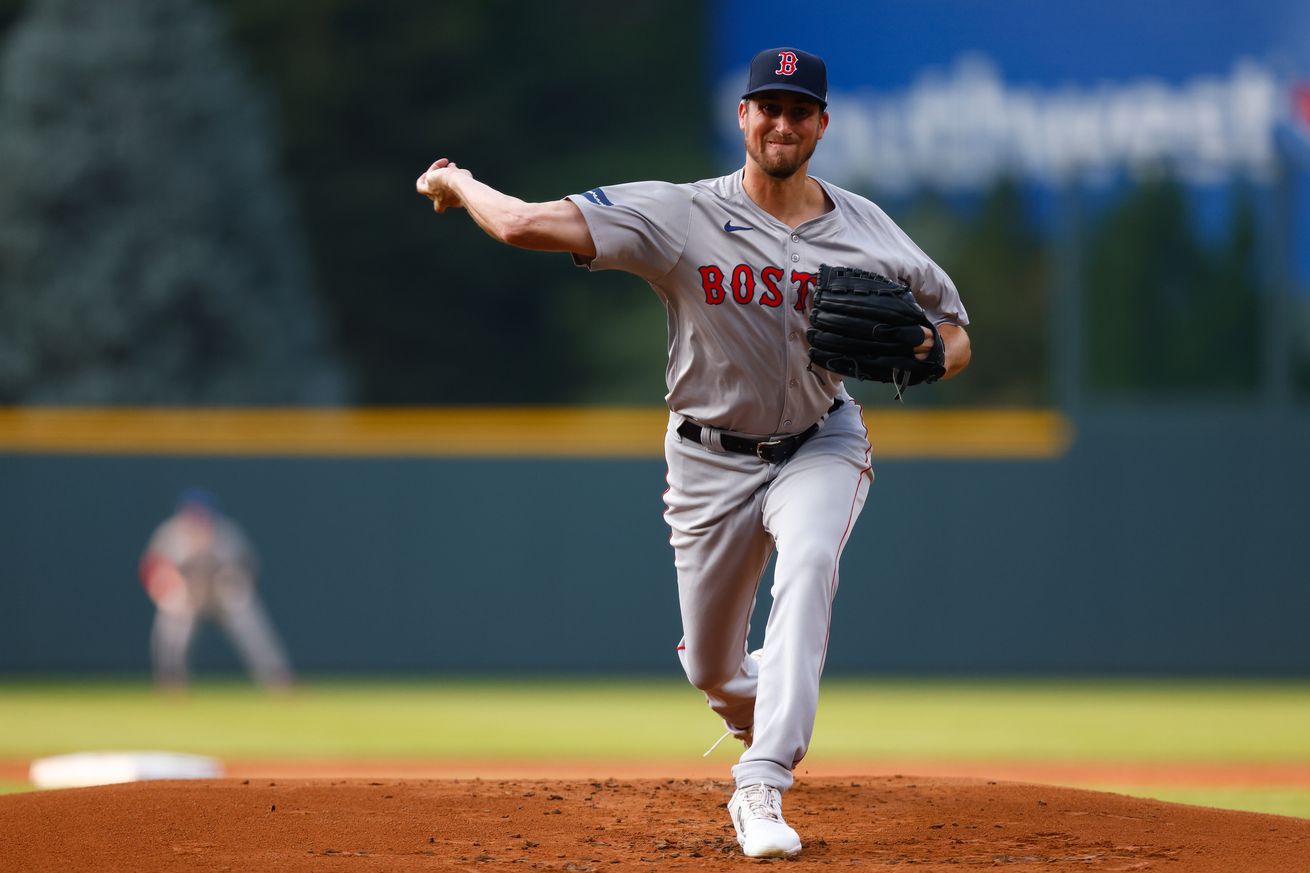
(810, 509)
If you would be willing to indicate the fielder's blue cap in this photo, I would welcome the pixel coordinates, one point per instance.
(788, 69)
(197, 497)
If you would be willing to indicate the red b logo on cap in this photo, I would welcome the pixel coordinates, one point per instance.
(786, 64)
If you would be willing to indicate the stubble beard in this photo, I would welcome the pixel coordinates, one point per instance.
(778, 166)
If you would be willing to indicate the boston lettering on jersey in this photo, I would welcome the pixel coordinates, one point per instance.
(741, 285)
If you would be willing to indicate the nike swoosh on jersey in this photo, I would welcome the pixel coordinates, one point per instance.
(733, 228)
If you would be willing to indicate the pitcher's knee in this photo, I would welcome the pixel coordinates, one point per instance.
(708, 677)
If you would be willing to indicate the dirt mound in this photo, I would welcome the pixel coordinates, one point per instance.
(581, 825)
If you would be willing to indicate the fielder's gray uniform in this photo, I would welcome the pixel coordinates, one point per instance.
(736, 283)
(199, 564)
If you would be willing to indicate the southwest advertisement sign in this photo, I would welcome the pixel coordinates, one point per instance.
(950, 95)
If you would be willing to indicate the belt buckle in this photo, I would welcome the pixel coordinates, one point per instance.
(766, 444)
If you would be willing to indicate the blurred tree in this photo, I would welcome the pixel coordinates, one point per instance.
(1233, 302)
(540, 100)
(1004, 272)
(9, 12)
(1167, 314)
(148, 250)
(1000, 264)
(1301, 367)
(1300, 353)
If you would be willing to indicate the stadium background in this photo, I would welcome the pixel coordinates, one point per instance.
(432, 439)
(1143, 520)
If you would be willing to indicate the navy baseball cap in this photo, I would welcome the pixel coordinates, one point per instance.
(200, 498)
(788, 69)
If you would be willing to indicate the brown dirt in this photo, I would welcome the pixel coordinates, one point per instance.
(882, 822)
(1074, 774)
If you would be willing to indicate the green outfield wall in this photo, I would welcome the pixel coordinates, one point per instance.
(1151, 542)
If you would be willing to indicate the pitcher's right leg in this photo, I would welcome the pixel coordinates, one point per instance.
(720, 550)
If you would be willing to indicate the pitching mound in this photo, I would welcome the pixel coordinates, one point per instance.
(581, 825)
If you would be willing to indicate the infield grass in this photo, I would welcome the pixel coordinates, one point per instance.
(646, 719)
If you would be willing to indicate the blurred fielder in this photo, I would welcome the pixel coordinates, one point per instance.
(199, 564)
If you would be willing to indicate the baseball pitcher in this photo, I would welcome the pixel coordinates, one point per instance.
(777, 285)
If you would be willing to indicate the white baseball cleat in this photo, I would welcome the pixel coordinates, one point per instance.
(761, 831)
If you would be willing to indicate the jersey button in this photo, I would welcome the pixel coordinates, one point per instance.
(787, 423)
(794, 383)
(795, 237)
(795, 258)
(795, 334)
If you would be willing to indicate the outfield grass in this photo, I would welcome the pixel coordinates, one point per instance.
(1277, 801)
(646, 719)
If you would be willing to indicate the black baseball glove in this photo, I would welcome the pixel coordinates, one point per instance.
(867, 326)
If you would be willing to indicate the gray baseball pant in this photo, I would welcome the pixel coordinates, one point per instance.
(727, 513)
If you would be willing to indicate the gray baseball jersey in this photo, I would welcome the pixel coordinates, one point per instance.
(736, 282)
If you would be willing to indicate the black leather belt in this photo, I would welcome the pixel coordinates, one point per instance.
(771, 451)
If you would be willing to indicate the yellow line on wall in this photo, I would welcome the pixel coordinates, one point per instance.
(487, 432)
